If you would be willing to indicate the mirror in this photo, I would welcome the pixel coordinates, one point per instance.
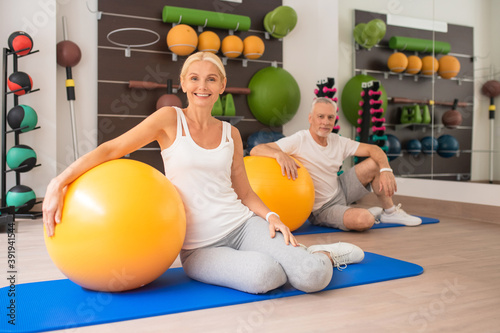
(438, 123)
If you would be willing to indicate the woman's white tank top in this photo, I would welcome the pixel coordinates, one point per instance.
(203, 179)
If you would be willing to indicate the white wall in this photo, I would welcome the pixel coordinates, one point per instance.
(310, 52)
(81, 29)
(38, 19)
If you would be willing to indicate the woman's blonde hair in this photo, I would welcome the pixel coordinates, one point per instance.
(204, 56)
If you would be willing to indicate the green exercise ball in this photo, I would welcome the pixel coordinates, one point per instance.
(22, 197)
(274, 96)
(21, 157)
(22, 116)
(351, 96)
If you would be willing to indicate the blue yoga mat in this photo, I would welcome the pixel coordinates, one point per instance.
(307, 228)
(61, 304)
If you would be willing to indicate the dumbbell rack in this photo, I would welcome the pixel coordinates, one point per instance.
(17, 132)
(371, 112)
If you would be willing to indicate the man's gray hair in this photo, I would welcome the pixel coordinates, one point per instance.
(324, 100)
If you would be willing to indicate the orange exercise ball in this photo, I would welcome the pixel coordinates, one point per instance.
(253, 47)
(232, 46)
(449, 66)
(292, 200)
(208, 41)
(123, 224)
(414, 64)
(430, 65)
(397, 62)
(182, 39)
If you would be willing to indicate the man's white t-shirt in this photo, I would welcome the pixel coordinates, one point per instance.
(322, 163)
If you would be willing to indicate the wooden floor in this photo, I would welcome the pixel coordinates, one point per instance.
(459, 290)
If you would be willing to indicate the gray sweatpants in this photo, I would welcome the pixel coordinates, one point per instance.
(249, 260)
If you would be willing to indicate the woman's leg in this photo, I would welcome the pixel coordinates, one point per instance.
(305, 271)
(247, 271)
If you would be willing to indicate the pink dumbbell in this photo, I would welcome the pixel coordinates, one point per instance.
(326, 89)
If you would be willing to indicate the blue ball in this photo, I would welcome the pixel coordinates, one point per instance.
(393, 147)
(429, 145)
(262, 136)
(448, 146)
(414, 147)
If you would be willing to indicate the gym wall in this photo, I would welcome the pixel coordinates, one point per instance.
(120, 108)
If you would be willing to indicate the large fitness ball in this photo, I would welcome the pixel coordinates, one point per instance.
(123, 224)
(351, 96)
(20, 42)
(393, 147)
(21, 157)
(22, 116)
(21, 82)
(292, 200)
(182, 39)
(448, 146)
(275, 96)
(429, 145)
(68, 54)
(262, 136)
(22, 197)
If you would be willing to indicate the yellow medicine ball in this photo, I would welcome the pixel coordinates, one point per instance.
(253, 47)
(208, 41)
(430, 65)
(397, 62)
(182, 39)
(232, 46)
(449, 66)
(414, 64)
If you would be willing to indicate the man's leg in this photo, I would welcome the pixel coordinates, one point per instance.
(368, 173)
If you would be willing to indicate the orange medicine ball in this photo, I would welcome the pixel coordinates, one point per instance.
(449, 66)
(232, 46)
(208, 41)
(397, 62)
(414, 64)
(182, 39)
(253, 47)
(430, 65)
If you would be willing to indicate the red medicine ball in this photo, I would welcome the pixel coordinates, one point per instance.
(20, 40)
(20, 80)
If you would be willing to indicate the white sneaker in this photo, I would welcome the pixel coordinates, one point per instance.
(376, 212)
(341, 253)
(400, 217)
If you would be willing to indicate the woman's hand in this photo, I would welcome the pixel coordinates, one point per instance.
(275, 225)
(52, 206)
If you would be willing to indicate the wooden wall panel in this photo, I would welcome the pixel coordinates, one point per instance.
(120, 106)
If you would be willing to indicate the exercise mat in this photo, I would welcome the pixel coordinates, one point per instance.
(61, 304)
(307, 228)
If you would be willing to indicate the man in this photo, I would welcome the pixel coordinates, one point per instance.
(322, 154)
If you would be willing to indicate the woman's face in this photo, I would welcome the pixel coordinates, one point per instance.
(202, 84)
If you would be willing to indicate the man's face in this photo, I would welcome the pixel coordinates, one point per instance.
(322, 119)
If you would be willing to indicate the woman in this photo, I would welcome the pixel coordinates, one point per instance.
(232, 238)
